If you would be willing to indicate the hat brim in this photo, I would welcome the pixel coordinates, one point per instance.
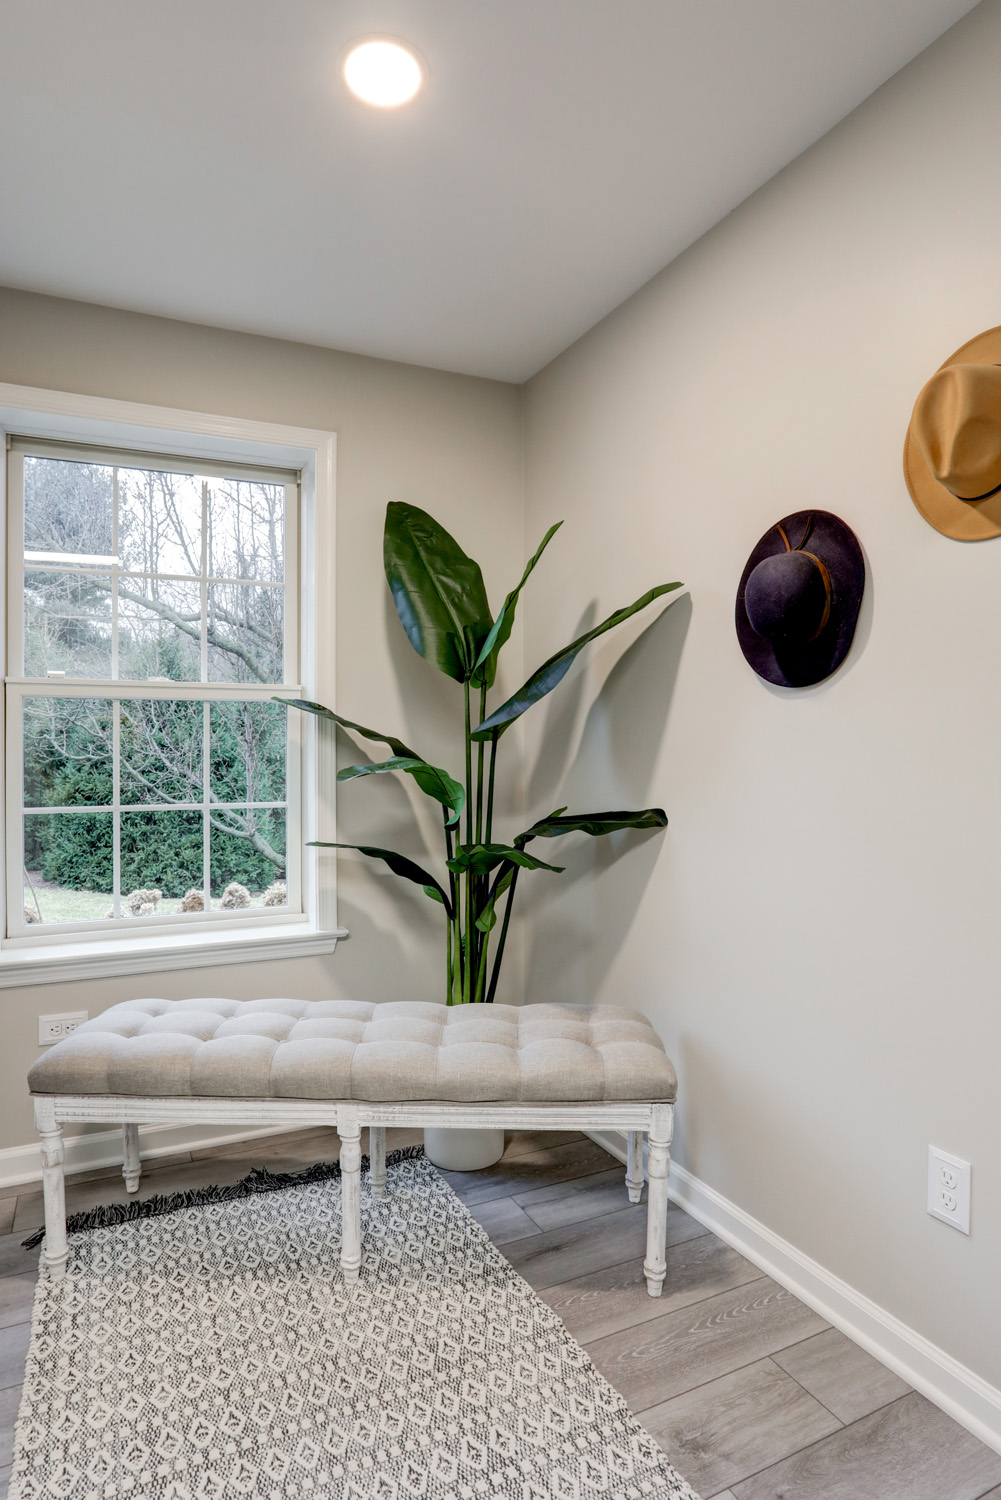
(837, 546)
(963, 520)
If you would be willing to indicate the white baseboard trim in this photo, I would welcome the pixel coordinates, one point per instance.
(91, 1153)
(960, 1392)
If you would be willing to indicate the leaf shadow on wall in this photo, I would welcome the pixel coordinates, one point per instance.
(559, 715)
(430, 716)
(583, 918)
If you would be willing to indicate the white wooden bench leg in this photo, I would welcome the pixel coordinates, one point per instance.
(658, 1166)
(349, 1131)
(377, 1159)
(634, 1165)
(132, 1168)
(56, 1251)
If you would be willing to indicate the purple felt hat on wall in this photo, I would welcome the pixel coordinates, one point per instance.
(799, 598)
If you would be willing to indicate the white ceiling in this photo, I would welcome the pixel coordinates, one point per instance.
(201, 159)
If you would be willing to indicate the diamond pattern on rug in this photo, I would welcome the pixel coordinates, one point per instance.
(213, 1353)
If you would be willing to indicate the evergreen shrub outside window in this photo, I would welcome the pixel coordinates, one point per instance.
(152, 617)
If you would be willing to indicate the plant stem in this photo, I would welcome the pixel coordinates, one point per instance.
(454, 948)
(481, 976)
(479, 770)
(469, 771)
(490, 785)
(503, 937)
(467, 973)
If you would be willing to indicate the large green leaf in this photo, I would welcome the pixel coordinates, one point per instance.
(553, 671)
(431, 779)
(486, 663)
(595, 824)
(480, 859)
(437, 589)
(399, 864)
(397, 746)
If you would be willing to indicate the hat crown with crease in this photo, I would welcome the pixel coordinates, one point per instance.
(952, 451)
(957, 426)
(799, 598)
(788, 597)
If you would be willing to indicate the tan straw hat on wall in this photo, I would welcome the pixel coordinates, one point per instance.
(952, 454)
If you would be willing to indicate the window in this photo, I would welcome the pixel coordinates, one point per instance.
(153, 613)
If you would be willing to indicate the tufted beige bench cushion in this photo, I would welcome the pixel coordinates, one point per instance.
(353, 1050)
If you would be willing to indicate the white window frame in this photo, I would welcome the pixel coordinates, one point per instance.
(144, 947)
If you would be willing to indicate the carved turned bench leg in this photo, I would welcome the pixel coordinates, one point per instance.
(349, 1131)
(634, 1165)
(377, 1159)
(132, 1167)
(56, 1250)
(658, 1166)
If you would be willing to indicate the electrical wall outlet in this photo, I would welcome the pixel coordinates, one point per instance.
(949, 1189)
(58, 1028)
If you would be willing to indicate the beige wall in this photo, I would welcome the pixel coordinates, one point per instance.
(449, 443)
(816, 936)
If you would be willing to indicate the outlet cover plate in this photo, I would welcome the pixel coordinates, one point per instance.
(57, 1028)
(949, 1189)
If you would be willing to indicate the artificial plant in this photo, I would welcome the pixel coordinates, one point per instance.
(442, 603)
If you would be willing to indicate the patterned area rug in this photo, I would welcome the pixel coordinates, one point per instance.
(210, 1352)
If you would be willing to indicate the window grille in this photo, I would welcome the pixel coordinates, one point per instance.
(153, 613)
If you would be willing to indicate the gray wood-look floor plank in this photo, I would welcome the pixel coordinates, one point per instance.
(4, 1483)
(98, 1174)
(737, 1424)
(844, 1377)
(994, 1494)
(723, 1495)
(13, 1353)
(578, 1249)
(909, 1450)
(657, 1360)
(503, 1220)
(7, 1206)
(517, 1173)
(17, 1293)
(616, 1297)
(321, 1139)
(9, 1402)
(522, 1142)
(586, 1198)
(14, 1259)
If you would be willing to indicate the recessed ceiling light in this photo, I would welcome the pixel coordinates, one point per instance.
(383, 72)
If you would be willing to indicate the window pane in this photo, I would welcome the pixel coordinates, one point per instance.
(161, 862)
(67, 624)
(68, 507)
(248, 858)
(159, 629)
(68, 866)
(246, 631)
(161, 752)
(248, 751)
(159, 522)
(68, 752)
(246, 530)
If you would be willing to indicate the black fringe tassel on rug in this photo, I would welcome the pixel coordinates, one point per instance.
(260, 1180)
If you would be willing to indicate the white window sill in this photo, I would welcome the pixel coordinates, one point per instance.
(149, 954)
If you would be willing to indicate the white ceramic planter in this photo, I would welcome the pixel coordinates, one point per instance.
(464, 1149)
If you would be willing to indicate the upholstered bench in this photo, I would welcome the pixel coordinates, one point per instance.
(349, 1064)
